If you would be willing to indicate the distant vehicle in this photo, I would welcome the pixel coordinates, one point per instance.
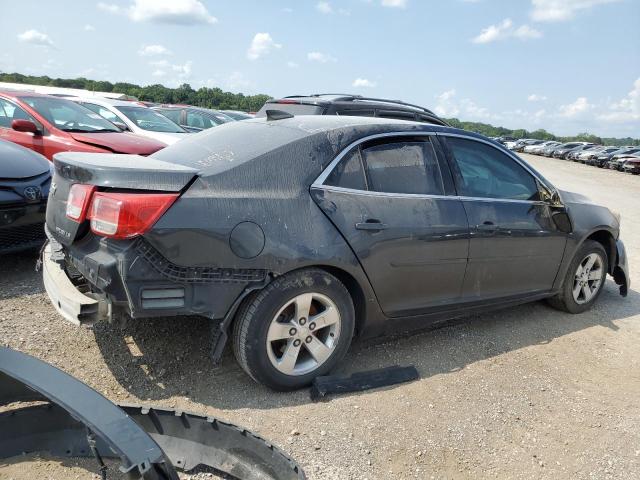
(520, 146)
(537, 149)
(237, 114)
(49, 125)
(502, 140)
(588, 155)
(563, 150)
(618, 161)
(511, 144)
(573, 154)
(193, 119)
(135, 117)
(25, 177)
(633, 165)
(351, 105)
(600, 159)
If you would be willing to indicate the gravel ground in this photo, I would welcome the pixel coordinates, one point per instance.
(523, 393)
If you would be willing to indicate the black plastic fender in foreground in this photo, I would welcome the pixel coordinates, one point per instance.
(150, 443)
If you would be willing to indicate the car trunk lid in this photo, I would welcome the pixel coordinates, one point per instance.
(120, 142)
(107, 171)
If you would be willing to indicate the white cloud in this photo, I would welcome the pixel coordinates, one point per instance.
(88, 28)
(238, 82)
(448, 105)
(320, 57)
(153, 50)
(505, 30)
(534, 97)
(287, 10)
(561, 10)
(394, 3)
(363, 82)
(627, 109)
(164, 68)
(324, 7)
(575, 109)
(36, 38)
(292, 64)
(176, 12)
(261, 44)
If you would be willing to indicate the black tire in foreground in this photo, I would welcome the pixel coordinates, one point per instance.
(584, 280)
(295, 329)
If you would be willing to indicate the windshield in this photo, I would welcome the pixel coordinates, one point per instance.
(148, 119)
(69, 116)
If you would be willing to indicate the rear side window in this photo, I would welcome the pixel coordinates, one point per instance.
(403, 167)
(487, 172)
(348, 173)
(172, 114)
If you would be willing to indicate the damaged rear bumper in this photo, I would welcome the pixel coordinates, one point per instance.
(98, 279)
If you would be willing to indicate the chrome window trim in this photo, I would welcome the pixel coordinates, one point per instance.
(319, 182)
(369, 193)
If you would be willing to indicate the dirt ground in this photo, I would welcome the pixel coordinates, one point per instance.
(523, 393)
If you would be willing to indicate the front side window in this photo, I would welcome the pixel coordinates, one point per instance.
(198, 120)
(403, 167)
(147, 119)
(486, 172)
(172, 114)
(69, 116)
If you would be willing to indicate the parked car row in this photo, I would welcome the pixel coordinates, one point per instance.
(34, 127)
(622, 158)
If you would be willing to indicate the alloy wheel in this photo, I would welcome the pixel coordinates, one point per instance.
(588, 278)
(303, 334)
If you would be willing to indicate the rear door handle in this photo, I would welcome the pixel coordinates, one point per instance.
(487, 227)
(371, 225)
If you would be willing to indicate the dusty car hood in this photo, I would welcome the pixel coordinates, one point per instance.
(573, 197)
(20, 162)
(120, 142)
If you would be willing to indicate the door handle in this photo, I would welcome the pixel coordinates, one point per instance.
(488, 227)
(371, 225)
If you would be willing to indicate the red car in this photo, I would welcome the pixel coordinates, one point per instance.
(49, 125)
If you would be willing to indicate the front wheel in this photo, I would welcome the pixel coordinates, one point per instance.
(295, 329)
(584, 280)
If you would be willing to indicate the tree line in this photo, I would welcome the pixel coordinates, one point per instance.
(217, 98)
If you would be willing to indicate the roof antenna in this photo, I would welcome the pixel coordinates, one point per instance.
(277, 115)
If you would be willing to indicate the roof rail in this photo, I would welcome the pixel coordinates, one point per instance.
(347, 97)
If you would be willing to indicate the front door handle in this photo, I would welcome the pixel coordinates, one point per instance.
(371, 225)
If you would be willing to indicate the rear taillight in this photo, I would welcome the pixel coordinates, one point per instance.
(125, 215)
(78, 201)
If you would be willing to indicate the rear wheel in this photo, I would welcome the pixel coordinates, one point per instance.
(299, 327)
(584, 280)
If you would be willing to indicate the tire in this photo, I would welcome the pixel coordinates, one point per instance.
(566, 300)
(280, 310)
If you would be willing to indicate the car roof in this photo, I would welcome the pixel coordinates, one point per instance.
(22, 93)
(108, 101)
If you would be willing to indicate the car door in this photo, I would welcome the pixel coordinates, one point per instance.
(389, 199)
(9, 111)
(515, 247)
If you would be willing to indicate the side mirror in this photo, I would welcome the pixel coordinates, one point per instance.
(20, 125)
(121, 126)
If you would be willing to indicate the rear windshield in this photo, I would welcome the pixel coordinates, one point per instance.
(293, 108)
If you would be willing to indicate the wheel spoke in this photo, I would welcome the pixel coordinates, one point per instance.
(303, 305)
(595, 274)
(576, 290)
(325, 318)
(287, 363)
(591, 259)
(586, 290)
(279, 331)
(579, 271)
(318, 350)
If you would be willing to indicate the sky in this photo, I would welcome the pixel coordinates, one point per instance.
(568, 66)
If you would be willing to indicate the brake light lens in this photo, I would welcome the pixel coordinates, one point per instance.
(78, 201)
(126, 215)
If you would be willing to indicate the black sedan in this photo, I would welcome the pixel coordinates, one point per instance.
(25, 177)
(318, 229)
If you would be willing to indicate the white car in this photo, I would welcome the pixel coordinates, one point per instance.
(135, 117)
(538, 148)
(511, 145)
